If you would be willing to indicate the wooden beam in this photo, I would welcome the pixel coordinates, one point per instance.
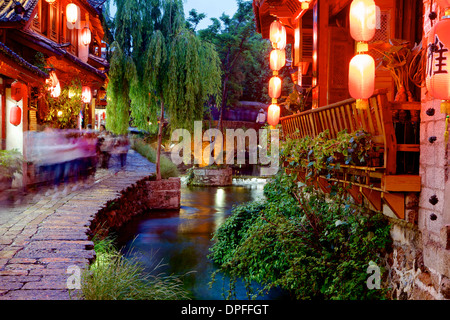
(408, 147)
(373, 197)
(396, 202)
(401, 183)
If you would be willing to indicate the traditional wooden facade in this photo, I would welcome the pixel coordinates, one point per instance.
(32, 27)
(36, 33)
(409, 180)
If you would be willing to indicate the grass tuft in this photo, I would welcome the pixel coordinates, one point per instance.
(115, 277)
(168, 168)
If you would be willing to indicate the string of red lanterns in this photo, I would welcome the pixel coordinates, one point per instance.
(15, 113)
(277, 61)
(361, 74)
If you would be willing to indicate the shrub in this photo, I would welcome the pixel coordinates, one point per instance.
(299, 240)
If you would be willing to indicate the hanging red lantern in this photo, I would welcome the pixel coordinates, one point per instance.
(444, 4)
(16, 91)
(72, 13)
(277, 35)
(86, 94)
(277, 59)
(15, 116)
(104, 115)
(273, 115)
(275, 87)
(53, 85)
(86, 36)
(363, 18)
(361, 79)
(438, 71)
(305, 4)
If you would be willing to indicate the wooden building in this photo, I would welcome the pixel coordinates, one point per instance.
(36, 39)
(30, 29)
(411, 171)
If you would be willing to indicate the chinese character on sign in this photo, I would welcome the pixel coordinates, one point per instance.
(440, 65)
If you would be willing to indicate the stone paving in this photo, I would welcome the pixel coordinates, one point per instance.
(43, 240)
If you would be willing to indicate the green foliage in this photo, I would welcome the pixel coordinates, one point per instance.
(121, 74)
(168, 168)
(323, 154)
(302, 242)
(193, 76)
(63, 111)
(115, 277)
(243, 54)
(11, 162)
(157, 61)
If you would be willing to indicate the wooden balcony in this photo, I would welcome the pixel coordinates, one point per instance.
(393, 172)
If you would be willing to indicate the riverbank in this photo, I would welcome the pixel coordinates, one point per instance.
(44, 239)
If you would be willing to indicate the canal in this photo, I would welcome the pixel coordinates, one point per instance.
(180, 239)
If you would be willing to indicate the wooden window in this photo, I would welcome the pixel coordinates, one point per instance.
(40, 20)
(53, 21)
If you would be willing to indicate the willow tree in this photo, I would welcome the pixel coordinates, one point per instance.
(182, 74)
(161, 67)
(121, 74)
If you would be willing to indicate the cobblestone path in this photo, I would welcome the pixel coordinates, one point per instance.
(43, 236)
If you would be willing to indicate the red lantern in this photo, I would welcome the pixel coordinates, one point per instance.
(104, 115)
(443, 3)
(86, 36)
(273, 115)
(274, 87)
(16, 91)
(72, 13)
(15, 115)
(53, 85)
(305, 4)
(277, 35)
(86, 95)
(277, 59)
(363, 19)
(361, 79)
(438, 71)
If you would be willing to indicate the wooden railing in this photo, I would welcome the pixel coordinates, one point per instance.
(376, 181)
(376, 120)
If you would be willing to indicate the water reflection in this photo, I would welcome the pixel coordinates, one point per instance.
(181, 239)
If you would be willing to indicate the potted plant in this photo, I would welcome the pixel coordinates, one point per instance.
(11, 162)
(404, 62)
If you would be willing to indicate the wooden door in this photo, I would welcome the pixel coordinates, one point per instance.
(341, 51)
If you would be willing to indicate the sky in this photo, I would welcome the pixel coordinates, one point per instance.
(212, 9)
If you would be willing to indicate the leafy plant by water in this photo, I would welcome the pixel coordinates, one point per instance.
(312, 245)
(116, 277)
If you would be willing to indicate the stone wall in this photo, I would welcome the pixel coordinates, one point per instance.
(212, 177)
(419, 265)
(144, 195)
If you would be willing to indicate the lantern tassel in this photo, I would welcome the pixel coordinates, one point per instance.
(362, 104)
(445, 106)
(446, 134)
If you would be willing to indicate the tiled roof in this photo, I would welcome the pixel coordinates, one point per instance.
(8, 11)
(4, 50)
(57, 50)
(9, 14)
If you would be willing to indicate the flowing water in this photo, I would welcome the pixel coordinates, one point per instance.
(181, 239)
